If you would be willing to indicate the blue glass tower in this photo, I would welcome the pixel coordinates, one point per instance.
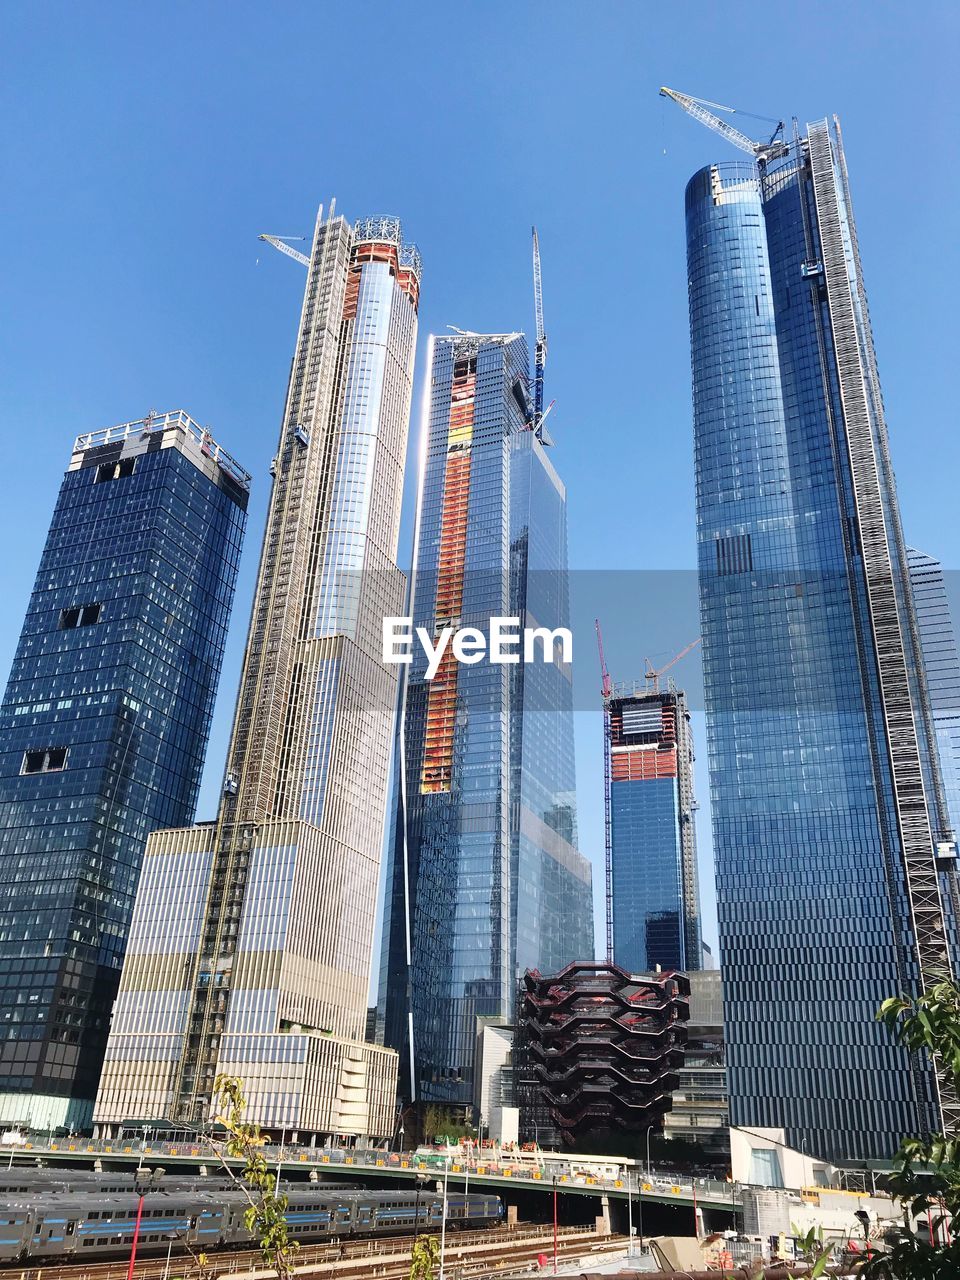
(102, 734)
(653, 849)
(941, 662)
(829, 843)
(484, 878)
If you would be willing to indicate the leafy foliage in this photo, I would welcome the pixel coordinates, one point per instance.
(810, 1248)
(439, 1123)
(266, 1211)
(424, 1258)
(927, 1172)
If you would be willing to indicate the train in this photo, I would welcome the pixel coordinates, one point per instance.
(79, 1218)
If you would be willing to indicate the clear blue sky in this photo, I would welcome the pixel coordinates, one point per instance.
(147, 145)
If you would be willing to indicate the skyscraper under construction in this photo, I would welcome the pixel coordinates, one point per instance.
(652, 858)
(250, 948)
(836, 876)
(485, 878)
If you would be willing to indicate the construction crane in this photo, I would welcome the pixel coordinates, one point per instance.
(606, 691)
(762, 152)
(540, 350)
(278, 243)
(652, 676)
(606, 687)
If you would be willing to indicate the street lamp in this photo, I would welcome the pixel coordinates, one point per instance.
(280, 1154)
(443, 1225)
(649, 1127)
(421, 1179)
(863, 1218)
(554, 1224)
(144, 1180)
(640, 1213)
(171, 1236)
(629, 1217)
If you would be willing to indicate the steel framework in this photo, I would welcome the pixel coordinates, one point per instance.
(600, 1047)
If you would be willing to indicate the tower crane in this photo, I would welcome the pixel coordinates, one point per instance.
(278, 243)
(762, 152)
(606, 690)
(540, 350)
(652, 676)
(606, 687)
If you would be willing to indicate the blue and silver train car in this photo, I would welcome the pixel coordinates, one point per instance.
(91, 1224)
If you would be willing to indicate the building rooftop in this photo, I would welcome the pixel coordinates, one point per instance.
(177, 420)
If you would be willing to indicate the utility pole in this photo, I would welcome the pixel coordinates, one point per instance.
(150, 1182)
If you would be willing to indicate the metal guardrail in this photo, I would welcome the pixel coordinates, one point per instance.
(159, 422)
(407, 1164)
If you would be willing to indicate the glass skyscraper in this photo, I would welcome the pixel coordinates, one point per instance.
(485, 878)
(251, 940)
(102, 735)
(653, 846)
(831, 847)
(941, 661)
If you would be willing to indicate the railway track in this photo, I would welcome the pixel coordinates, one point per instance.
(468, 1254)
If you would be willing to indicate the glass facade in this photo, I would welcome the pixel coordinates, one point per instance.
(700, 1108)
(941, 661)
(827, 876)
(102, 734)
(653, 848)
(262, 968)
(485, 878)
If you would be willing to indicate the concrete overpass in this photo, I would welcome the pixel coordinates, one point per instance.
(500, 1174)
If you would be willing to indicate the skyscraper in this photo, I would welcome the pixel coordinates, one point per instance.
(485, 878)
(941, 662)
(653, 843)
(250, 949)
(102, 734)
(830, 843)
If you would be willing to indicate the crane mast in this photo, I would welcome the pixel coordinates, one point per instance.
(606, 691)
(540, 350)
(698, 108)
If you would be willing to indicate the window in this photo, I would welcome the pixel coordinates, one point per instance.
(49, 760)
(81, 615)
(734, 554)
(115, 470)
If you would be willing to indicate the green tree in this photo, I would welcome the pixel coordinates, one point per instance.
(927, 1170)
(440, 1123)
(424, 1258)
(266, 1211)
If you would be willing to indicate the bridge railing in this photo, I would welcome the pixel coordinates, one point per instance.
(566, 1173)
